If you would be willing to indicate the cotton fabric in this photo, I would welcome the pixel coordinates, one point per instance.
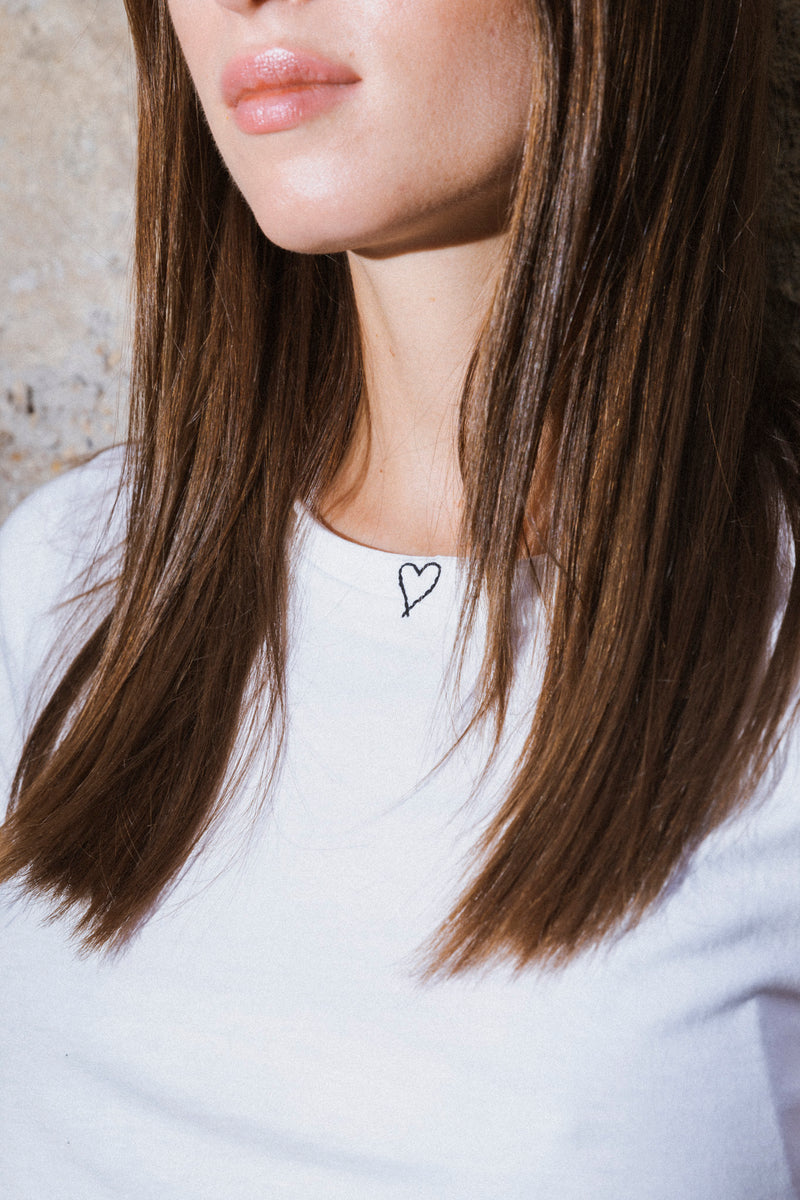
(266, 1036)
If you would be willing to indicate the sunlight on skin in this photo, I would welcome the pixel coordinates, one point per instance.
(405, 159)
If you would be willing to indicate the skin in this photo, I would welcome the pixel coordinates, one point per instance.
(410, 175)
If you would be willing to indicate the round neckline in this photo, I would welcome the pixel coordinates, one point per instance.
(367, 568)
(377, 572)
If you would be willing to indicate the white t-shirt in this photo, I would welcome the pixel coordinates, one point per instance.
(264, 1036)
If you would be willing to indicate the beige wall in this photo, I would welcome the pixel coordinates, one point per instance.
(66, 135)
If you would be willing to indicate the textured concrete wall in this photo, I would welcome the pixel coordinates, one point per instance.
(66, 141)
(66, 182)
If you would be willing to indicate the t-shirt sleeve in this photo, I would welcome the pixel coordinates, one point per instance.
(20, 557)
(47, 546)
(10, 699)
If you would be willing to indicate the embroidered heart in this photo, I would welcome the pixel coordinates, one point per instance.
(417, 582)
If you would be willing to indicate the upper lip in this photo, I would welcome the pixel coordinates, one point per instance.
(275, 68)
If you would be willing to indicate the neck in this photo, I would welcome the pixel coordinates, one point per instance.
(420, 315)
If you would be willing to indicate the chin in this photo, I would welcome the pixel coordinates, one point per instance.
(311, 209)
(315, 237)
(315, 228)
(306, 226)
(305, 241)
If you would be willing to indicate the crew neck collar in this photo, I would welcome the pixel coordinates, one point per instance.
(412, 577)
(425, 589)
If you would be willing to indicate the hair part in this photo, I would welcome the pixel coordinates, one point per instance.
(628, 328)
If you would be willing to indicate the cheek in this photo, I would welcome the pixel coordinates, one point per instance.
(470, 80)
(192, 26)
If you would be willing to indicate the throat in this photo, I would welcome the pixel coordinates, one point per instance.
(396, 516)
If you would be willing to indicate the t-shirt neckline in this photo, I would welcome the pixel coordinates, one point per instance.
(378, 572)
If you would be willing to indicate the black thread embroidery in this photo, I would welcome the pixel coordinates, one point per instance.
(410, 586)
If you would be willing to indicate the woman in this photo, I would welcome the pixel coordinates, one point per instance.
(406, 739)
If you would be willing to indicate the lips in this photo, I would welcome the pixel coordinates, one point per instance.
(275, 88)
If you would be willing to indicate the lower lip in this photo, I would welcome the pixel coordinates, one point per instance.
(272, 110)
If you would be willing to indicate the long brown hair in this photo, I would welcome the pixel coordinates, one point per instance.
(630, 318)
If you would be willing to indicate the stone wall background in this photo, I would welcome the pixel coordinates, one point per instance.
(66, 184)
(66, 192)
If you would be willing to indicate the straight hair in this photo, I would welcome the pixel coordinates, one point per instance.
(629, 319)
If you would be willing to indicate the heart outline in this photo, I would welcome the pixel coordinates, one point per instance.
(419, 572)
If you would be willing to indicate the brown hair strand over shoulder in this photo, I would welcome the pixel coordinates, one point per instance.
(629, 319)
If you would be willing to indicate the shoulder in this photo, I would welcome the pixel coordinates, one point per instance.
(60, 515)
(48, 548)
(54, 536)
